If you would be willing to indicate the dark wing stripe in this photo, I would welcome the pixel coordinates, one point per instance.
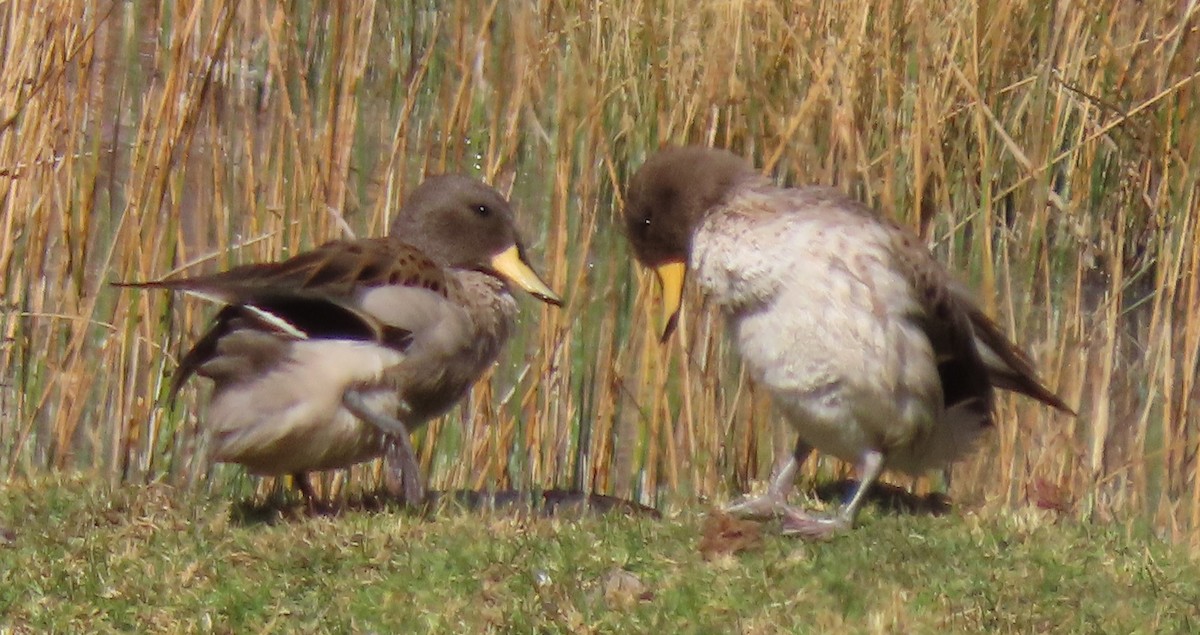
(320, 318)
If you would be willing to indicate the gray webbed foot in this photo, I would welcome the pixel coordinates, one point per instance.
(797, 522)
(814, 526)
(767, 506)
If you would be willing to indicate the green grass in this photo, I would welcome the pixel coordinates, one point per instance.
(82, 557)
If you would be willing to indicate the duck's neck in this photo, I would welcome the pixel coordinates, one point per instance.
(492, 310)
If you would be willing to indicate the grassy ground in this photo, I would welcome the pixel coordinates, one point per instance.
(81, 557)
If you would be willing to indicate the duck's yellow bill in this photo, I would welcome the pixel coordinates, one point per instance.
(512, 266)
(670, 286)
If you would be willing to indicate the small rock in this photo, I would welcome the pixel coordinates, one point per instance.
(624, 589)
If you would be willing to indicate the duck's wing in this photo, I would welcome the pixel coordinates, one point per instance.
(334, 270)
(961, 370)
(378, 290)
(973, 353)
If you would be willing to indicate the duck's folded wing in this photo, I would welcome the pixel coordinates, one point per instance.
(946, 321)
(372, 290)
(335, 270)
(973, 353)
(961, 370)
(246, 340)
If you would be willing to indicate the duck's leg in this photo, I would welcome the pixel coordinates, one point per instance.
(808, 525)
(400, 452)
(300, 479)
(774, 502)
(400, 458)
(314, 505)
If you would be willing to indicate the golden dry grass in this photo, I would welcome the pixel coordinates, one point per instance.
(1050, 154)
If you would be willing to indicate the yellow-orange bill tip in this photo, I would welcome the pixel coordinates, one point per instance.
(509, 264)
(670, 285)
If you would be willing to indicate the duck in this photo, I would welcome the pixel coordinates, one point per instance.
(336, 355)
(872, 351)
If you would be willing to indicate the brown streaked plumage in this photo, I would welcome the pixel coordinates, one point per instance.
(868, 346)
(333, 356)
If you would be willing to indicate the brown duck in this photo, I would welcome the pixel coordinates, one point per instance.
(335, 355)
(871, 350)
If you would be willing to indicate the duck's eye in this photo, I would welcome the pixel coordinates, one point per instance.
(483, 211)
(643, 226)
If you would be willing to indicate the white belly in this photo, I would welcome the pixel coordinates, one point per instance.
(848, 383)
(825, 322)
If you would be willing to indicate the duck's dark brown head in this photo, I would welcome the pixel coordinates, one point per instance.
(667, 199)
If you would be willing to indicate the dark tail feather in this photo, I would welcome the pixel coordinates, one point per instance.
(1016, 372)
(1031, 388)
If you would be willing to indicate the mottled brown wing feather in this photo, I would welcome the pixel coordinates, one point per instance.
(310, 292)
(332, 271)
